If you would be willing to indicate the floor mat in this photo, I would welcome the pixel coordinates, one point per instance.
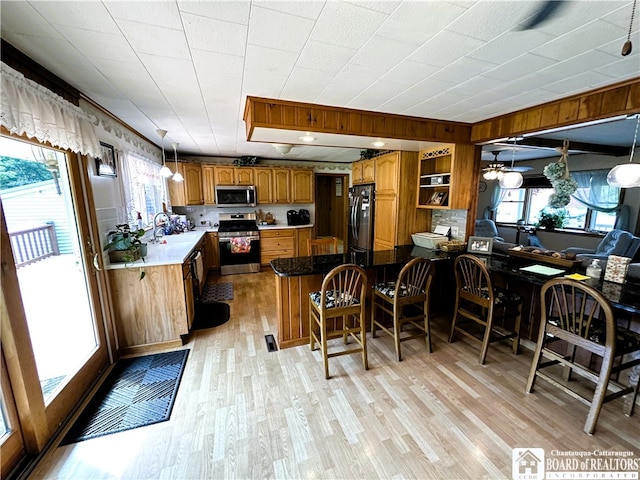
(217, 292)
(209, 315)
(138, 392)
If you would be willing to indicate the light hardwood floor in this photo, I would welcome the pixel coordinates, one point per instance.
(243, 412)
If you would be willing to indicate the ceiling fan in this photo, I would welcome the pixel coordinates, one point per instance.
(496, 170)
(551, 8)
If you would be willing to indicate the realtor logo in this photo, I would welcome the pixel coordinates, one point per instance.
(528, 463)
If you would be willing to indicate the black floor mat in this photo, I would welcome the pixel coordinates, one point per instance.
(217, 292)
(209, 315)
(138, 392)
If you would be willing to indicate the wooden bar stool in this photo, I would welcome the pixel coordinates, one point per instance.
(406, 300)
(478, 302)
(337, 310)
(322, 246)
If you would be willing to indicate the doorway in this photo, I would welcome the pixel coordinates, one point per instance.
(51, 289)
(332, 196)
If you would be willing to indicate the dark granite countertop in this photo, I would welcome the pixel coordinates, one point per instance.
(321, 264)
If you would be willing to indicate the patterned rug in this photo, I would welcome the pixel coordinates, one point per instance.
(138, 392)
(217, 292)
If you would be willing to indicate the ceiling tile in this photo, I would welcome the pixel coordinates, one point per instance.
(347, 85)
(91, 16)
(166, 42)
(514, 68)
(100, 45)
(346, 24)
(324, 56)
(511, 45)
(304, 84)
(479, 20)
(160, 14)
(235, 11)
(409, 72)
(215, 35)
(21, 18)
(281, 31)
(462, 68)
(376, 95)
(263, 59)
(445, 48)
(382, 54)
(310, 10)
(217, 65)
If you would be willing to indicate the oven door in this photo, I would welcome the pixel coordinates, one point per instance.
(239, 254)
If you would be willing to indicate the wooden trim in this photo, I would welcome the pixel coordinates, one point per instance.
(620, 99)
(288, 115)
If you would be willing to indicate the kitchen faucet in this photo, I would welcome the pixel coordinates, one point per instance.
(159, 228)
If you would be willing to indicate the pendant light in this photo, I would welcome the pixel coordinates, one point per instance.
(177, 177)
(626, 175)
(495, 170)
(164, 171)
(512, 179)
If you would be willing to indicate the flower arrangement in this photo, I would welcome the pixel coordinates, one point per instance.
(552, 219)
(246, 160)
(558, 174)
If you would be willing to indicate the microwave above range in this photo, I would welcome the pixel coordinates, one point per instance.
(235, 196)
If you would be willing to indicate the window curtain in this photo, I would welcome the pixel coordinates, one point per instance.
(497, 195)
(144, 188)
(595, 192)
(31, 109)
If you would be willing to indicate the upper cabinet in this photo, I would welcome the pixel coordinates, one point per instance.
(363, 171)
(448, 176)
(302, 185)
(234, 176)
(264, 185)
(208, 182)
(189, 191)
(281, 185)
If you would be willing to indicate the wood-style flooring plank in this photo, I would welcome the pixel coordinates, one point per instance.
(244, 412)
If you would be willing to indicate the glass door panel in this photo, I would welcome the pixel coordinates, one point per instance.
(41, 221)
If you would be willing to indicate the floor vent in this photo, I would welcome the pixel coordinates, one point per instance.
(271, 343)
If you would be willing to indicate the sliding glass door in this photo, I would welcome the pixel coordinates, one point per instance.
(54, 314)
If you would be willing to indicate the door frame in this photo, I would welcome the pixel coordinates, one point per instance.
(345, 204)
(38, 421)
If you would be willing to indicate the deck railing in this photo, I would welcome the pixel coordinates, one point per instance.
(33, 244)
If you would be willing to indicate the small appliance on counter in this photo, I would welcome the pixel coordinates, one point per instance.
(431, 240)
(298, 217)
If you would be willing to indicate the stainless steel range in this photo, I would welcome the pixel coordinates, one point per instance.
(239, 241)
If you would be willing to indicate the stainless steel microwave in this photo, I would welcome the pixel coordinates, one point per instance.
(235, 196)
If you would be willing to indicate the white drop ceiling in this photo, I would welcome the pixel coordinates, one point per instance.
(188, 66)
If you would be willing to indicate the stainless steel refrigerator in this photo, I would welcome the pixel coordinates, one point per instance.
(361, 217)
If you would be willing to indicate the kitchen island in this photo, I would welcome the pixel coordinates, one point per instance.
(296, 277)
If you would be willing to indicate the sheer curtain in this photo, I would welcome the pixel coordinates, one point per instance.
(497, 195)
(594, 192)
(31, 109)
(144, 188)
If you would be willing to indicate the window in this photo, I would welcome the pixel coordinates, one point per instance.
(584, 211)
(145, 188)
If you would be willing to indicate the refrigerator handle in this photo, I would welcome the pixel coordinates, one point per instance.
(356, 216)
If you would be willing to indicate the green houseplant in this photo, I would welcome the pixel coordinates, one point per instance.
(124, 245)
(550, 219)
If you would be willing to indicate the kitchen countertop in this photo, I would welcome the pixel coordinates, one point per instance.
(278, 226)
(175, 251)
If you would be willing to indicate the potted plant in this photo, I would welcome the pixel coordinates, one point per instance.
(124, 245)
(550, 219)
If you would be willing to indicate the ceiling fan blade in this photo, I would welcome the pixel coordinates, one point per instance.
(545, 12)
(519, 169)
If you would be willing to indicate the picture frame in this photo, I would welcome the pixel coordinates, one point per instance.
(480, 245)
(106, 163)
(438, 198)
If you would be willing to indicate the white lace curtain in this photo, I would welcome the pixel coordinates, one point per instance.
(31, 109)
(144, 188)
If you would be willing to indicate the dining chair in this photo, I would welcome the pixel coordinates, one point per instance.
(575, 316)
(322, 246)
(479, 303)
(337, 310)
(406, 302)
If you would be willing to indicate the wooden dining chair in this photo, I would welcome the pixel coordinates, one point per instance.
(479, 303)
(322, 246)
(406, 302)
(337, 310)
(576, 317)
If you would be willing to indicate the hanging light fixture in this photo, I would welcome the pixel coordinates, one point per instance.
(164, 171)
(495, 170)
(177, 177)
(626, 175)
(512, 179)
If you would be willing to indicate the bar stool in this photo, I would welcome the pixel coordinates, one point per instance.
(337, 310)
(479, 302)
(407, 301)
(322, 246)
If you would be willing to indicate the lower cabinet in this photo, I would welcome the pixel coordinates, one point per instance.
(213, 250)
(152, 312)
(189, 301)
(283, 243)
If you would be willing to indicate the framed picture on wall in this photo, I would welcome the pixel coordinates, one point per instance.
(481, 245)
(106, 163)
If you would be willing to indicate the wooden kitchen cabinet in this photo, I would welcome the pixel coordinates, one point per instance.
(189, 301)
(234, 175)
(189, 191)
(302, 181)
(264, 185)
(396, 217)
(281, 185)
(208, 184)
(449, 172)
(214, 250)
(363, 171)
(278, 243)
